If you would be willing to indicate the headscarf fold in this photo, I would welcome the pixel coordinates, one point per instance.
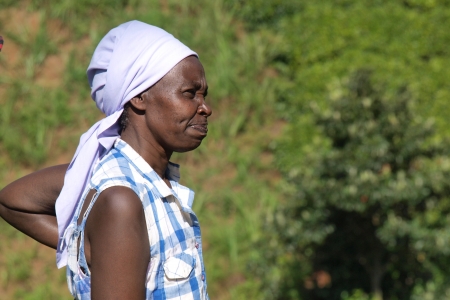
(128, 60)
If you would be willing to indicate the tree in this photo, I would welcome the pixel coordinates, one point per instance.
(370, 204)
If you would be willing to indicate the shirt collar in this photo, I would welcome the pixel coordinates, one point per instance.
(184, 195)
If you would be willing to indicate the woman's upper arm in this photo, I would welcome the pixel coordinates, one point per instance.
(119, 245)
(36, 192)
(28, 204)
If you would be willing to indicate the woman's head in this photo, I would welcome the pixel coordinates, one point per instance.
(132, 58)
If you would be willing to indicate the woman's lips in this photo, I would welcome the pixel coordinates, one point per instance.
(203, 128)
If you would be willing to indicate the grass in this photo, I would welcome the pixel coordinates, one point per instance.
(45, 105)
(276, 63)
(27, 268)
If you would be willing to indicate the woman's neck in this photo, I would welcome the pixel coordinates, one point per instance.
(146, 146)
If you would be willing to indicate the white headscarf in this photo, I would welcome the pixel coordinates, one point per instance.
(128, 60)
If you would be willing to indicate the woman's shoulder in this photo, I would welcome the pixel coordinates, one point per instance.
(119, 201)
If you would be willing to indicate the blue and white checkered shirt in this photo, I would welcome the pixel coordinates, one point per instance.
(176, 269)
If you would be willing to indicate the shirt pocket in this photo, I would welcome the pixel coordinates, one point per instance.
(179, 266)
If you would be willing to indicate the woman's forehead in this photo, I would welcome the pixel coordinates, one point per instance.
(189, 64)
(189, 69)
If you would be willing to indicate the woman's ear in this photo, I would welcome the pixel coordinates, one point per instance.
(138, 102)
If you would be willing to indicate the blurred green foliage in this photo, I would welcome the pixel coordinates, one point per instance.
(370, 206)
(384, 197)
(302, 188)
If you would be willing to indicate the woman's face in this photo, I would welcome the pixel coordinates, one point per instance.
(176, 112)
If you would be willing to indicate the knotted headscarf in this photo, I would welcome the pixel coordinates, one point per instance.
(128, 60)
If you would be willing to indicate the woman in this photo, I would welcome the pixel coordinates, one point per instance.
(125, 228)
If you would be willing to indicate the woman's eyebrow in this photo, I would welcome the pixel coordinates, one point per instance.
(194, 84)
(197, 85)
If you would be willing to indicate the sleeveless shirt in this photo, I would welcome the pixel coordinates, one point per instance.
(175, 269)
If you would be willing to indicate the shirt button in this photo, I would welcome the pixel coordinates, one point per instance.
(196, 245)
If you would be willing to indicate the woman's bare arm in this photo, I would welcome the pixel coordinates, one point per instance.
(28, 204)
(117, 245)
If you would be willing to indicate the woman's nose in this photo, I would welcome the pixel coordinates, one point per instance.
(204, 109)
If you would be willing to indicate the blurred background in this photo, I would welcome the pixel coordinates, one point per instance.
(325, 172)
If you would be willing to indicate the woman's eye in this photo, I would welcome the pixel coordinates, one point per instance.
(189, 93)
